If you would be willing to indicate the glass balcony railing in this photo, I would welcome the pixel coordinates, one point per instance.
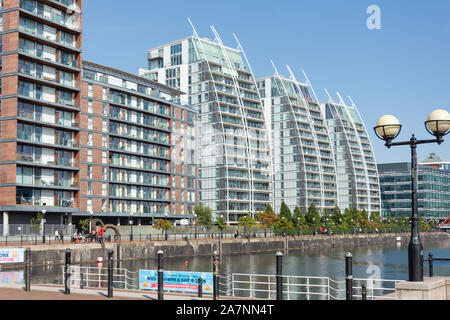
(69, 21)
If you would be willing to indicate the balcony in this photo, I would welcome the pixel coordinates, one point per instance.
(68, 21)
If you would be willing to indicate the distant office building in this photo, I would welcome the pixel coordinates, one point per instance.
(435, 161)
(356, 169)
(433, 191)
(303, 162)
(234, 158)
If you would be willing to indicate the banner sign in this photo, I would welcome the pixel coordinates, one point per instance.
(11, 255)
(12, 277)
(178, 281)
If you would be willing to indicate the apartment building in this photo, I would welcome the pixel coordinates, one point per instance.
(234, 152)
(303, 161)
(356, 169)
(138, 148)
(40, 149)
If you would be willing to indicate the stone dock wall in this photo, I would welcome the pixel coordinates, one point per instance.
(88, 253)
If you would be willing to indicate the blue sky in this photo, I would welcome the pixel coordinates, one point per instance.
(402, 69)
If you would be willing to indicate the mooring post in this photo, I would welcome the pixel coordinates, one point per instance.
(364, 292)
(279, 275)
(200, 287)
(110, 273)
(27, 269)
(160, 275)
(348, 276)
(430, 264)
(216, 262)
(67, 272)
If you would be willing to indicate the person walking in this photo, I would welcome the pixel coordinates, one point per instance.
(100, 234)
(56, 235)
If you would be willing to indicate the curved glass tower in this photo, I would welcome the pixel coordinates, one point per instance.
(234, 155)
(304, 169)
(357, 173)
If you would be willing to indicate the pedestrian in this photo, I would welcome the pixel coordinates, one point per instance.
(56, 235)
(61, 236)
(75, 237)
(100, 234)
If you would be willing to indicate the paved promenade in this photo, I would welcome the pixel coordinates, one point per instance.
(44, 292)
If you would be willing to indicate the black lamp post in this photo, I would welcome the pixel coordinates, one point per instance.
(195, 226)
(167, 236)
(43, 225)
(388, 128)
(91, 214)
(131, 226)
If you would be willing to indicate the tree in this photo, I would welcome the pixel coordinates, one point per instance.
(298, 219)
(84, 224)
(204, 215)
(312, 216)
(162, 224)
(283, 225)
(337, 216)
(36, 222)
(266, 218)
(220, 223)
(285, 212)
(269, 209)
(247, 222)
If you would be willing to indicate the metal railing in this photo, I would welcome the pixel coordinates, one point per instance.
(94, 277)
(375, 289)
(263, 286)
(431, 259)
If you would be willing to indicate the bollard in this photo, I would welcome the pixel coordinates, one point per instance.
(27, 269)
(430, 264)
(200, 287)
(215, 275)
(118, 256)
(364, 293)
(67, 272)
(279, 275)
(160, 275)
(110, 273)
(348, 277)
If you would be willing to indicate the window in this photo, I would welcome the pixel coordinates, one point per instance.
(89, 155)
(90, 123)
(89, 188)
(89, 205)
(105, 94)
(90, 90)
(90, 109)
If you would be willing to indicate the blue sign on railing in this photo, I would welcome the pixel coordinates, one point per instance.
(178, 281)
(11, 255)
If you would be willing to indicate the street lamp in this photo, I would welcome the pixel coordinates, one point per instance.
(43, 225)
(166, 215)
(195, 226)
(91, 214)
(131, 225)
(388, 129)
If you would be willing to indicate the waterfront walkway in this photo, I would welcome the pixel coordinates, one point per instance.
(48, 292)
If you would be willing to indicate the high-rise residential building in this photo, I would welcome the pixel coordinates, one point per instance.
(303, 162)
(234, 156)
(433, 190)
(356, 169)
(40, 148)
(138, 148)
